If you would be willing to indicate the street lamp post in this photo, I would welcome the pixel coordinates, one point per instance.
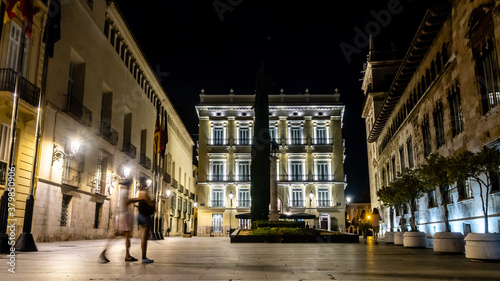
(311, 195)
(230, 210)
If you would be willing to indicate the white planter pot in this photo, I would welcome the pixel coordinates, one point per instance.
(415, 239)
(398, 238)
(389, 238)
(449, 243)
(482, 246)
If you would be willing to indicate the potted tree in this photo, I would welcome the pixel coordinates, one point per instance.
(411, 188)
(389, 197)
(438, 171)
(478, 167)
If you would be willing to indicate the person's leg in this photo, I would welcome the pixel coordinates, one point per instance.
(144, 242)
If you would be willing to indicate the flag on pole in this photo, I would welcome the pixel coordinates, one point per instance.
(164, 128)
(52, 32)
(28, 9)
(157, 135)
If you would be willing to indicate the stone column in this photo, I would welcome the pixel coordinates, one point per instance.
(274, 215)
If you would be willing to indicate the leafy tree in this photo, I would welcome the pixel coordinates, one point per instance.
(478, 167)
(260, 167)
(388, 195)
(438, 171)
(409, 188)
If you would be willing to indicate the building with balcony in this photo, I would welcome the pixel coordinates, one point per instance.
(307, 129)
(442, 97)
(102, 92)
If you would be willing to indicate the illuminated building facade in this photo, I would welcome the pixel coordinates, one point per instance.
(441, 98)
(307, 128)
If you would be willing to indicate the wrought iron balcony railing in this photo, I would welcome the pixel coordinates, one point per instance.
(129, 149)
(78, 111)
(242, 178)
(27, 91)
(175, 184)
(217, 203)
(217, 142)
(108, 133)
(324, 203)
(145, 161)
(166, 177)
(244, 203)
(181, 188)
(322, 141)
(297, 203)
(306, 178)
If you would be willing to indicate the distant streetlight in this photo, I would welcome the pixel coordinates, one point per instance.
(230, 211)
(169, 193)
(348, 199)
(57, 153)
(148, 182)
(126, 172)
(231, 197)
(195, 204)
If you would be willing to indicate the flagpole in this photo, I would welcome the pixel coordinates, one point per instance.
(4, 247)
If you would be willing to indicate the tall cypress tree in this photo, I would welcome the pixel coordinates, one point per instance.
(260, 183)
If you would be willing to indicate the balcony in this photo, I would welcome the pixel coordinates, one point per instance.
(166, 177)
(186, 192)
(242, 178)
(217, 142)
(145, 161)
(78, 111)
(129, 149)
(322, 141)
(217, 204)
(305, 178)
(27, 91)
(243, 203)
(297, 203)
(323, 203)
(296, 141)
(181, 188)
(108, 133)
(71, 176)
(99, 183)
(217, 178)
(242, 142)
(3, 172)
(175, 184)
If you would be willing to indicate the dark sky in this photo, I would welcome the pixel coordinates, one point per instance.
(299, 40)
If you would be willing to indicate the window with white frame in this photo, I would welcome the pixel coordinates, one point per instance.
(244, 171)
(323, 197)
(273, 133)
(322, 170)
(296, 170)
(297, 197)
(218, 135)
(13, 52)
(244, 135)
(244, 197)
(295, 137)
(217, 199)
(4, 151)
(217, 171)
(321, 137)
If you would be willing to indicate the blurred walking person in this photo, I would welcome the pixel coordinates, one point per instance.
(376, 224)
(146, 210)
(124, 222)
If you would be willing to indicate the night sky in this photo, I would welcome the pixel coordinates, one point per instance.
(200, 46)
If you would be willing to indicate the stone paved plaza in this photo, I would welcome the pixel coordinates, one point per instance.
(205, 258)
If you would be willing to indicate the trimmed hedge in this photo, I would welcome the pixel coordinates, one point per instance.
(285, 224)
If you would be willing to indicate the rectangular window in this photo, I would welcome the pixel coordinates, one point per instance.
(217, 223)
(64, 209)
(13, 51)
(464, 189)
(438, 124)
(73, 167)
(431, 196)
(71, 79)
(217, 199)
(217, 171)
(218, 138)
(394, 170)
(457, 123)
(322, 171)
(295, 135)
(402, 163)
(495, 180)
(97, 217)
(426, 135)
(4, 151)
(273, 133)
(409, 149)
(297, 199)
(244, 171)
(296, 170)
(244, 197)
(323, 197)
(244, 136)
(487, 73)
(173, 200)
(321, 135)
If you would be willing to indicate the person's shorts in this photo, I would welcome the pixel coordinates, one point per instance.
(376, 229)
(143, 219)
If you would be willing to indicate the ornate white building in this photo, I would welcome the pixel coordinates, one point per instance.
(311, 180)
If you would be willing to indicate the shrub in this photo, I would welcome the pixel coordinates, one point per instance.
(284, 224)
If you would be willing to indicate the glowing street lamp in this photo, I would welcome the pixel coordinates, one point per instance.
(311, 195)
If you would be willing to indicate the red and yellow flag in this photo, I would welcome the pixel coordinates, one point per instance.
(27, 8)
